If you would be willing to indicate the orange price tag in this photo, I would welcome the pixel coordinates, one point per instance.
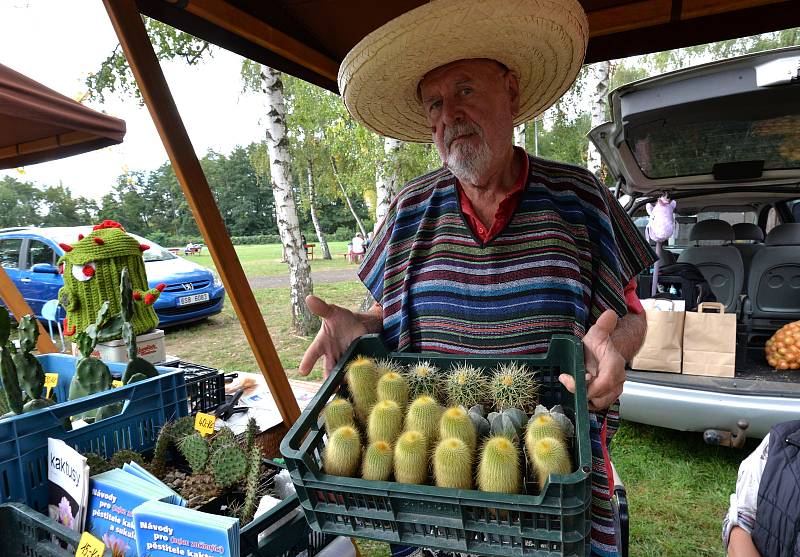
(116, 383)
(50, 382)
(89, 546)
(204, 423)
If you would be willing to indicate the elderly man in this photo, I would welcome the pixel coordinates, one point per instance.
(498, 250)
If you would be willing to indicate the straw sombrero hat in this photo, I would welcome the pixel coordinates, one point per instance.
(542, 41)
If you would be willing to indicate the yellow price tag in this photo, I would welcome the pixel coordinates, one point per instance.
(204, 423)
(50, 381)
(116, 383)
(89, 546)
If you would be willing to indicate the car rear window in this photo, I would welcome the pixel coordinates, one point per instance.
(671, 149)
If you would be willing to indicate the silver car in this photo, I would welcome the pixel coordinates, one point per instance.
(723, 140)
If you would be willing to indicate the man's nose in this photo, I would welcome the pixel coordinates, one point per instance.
(452, 112)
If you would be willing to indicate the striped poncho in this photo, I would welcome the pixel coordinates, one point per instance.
(562, 260)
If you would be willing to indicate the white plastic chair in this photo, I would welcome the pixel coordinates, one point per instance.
(49, 311)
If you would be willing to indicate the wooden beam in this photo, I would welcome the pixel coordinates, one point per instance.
(138, 50)
(45, 144)
(702, 8)
(238, 22)
(20, 308)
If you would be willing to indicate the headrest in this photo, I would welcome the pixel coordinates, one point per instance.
(748, 231)
(787, 234)
(712, 229)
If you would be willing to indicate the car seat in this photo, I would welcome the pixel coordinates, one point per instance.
(754, 236)
(774, 283)
(721, 265)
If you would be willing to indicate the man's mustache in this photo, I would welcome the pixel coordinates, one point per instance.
(458, 130)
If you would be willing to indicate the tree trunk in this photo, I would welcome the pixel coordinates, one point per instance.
(519, 136)
(602, 72)
(347, 198)
(387, 178)
(300, 284)
(312, 202)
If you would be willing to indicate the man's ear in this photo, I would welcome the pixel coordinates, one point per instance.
(512, 86)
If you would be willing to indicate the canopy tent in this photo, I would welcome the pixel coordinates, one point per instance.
(38, 124)
(309, 39)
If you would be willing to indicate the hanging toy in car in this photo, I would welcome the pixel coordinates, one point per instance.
(659, 229)
(91, 269)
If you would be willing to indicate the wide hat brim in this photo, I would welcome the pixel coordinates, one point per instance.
(542, 41)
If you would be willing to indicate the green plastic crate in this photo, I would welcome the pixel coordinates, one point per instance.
(553, 523)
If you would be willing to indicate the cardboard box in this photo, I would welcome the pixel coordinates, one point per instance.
(150, 346)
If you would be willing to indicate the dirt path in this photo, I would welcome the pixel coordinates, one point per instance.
(319, 277)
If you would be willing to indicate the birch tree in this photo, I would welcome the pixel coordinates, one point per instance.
(387, 178)
(602, 73)
(312, 205)
(519, 136)
(347, 198)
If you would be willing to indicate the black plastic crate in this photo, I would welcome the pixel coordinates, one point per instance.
(205, 386)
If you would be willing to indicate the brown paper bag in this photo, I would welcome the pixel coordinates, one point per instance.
(661, 350)
(709, 341)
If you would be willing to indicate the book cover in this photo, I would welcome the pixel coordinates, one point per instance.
(67, 481)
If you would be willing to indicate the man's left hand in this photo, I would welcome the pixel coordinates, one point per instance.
(605, 366)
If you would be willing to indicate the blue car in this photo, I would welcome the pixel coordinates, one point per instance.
(29, 257)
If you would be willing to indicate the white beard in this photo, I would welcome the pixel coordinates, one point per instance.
(467, 162)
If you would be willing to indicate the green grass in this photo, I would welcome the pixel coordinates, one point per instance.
(678, 487)
(265, 260)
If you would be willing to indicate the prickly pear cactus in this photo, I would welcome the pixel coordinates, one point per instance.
(251, 485)
(228, 465)
(136, 365)
(195, 449)
(91, 376)
(123, 456)
(8, 371)
(91, 269)
(29, 370)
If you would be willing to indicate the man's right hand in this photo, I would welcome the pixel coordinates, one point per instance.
(340, 327)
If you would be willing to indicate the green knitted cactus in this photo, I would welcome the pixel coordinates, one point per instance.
(452, 464)
(424, 378)
(195, 450)
(385, 422)
(466, 386)
(228, 465)
(251, 485)
(342, 454)
(423, 416)
(499, 468)
(8, 371)
(393, 386)
(456, 423)
(29, 370)
(337, 413)
(378, 462)
(91, 269)
(411, 458)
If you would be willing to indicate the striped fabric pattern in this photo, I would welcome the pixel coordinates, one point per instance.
(563, 259)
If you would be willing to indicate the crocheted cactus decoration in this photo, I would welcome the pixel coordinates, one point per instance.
(91, 269)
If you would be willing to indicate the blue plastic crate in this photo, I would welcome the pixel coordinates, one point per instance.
(23, 439)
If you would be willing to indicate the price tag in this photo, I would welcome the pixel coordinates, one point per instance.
(50, 381)
(116, 383)
(89, 546)
(204, 423)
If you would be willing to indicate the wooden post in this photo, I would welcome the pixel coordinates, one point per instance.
(138, 50)
(19, 307)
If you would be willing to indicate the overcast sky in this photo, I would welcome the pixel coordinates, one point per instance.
(59, 42)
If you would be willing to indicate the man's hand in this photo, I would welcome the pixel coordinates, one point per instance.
(605, 365)
(340, 327)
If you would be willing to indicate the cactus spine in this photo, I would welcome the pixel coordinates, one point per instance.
(513, 386)
(337, 413)
(393, 386)
(342, 454)
(452, 464)
(466, 386)
(423, 416)
(456, 423)
(424, 378)
(378, 461)
(387, 365)
(228, 464)
(385, 422)
(362, 377)
(499, 469)
(411, 458)
(549, 456)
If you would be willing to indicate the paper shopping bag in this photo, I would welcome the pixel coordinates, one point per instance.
(661, 350)
(709, 341)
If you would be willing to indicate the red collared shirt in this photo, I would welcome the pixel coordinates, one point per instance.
(505, 210)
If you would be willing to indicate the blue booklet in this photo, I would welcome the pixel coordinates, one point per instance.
(112, 497)
(164, 530)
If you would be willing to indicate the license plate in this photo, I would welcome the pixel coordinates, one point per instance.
(193, 299)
